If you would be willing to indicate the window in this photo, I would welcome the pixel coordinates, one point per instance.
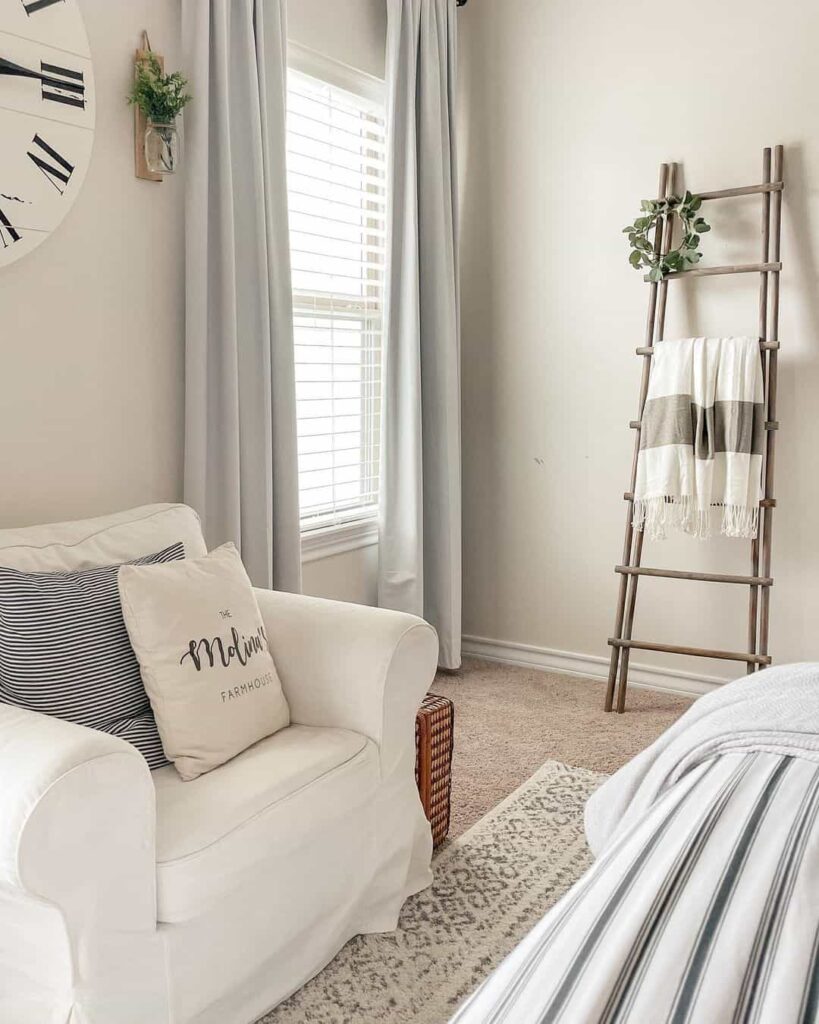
(336, 180)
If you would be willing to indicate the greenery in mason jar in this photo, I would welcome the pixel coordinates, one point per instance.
(160, 97)
(686, 255)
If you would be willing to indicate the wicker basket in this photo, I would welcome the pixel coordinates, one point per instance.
(434, 730)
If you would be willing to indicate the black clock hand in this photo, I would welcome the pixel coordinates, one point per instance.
(16, 70)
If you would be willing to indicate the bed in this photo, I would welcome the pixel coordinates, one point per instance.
(702, 906)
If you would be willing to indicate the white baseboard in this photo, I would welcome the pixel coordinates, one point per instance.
(591, 666)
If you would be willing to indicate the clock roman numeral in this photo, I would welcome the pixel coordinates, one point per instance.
(7, 233)
(60, 85)
(58, 171)
(32, 6)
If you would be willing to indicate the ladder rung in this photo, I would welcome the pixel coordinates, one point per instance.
(695, 652)
(769, 425)
(763, 502)
(704, 577)
(746, 268)
(745, 190)
(765, 346)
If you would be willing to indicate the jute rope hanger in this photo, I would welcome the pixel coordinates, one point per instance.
(759, 581)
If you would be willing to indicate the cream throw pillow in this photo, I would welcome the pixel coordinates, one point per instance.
(198, 635)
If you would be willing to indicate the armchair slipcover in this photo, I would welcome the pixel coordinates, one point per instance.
(131, 897)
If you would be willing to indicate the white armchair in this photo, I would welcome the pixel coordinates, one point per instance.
(131, 897)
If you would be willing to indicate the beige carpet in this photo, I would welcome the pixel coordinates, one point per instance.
(491, 886)
(509, 720)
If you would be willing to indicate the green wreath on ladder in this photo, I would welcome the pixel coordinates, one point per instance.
(686, 255)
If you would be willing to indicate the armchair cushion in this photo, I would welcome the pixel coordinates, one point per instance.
(64, 651)
(279, 796)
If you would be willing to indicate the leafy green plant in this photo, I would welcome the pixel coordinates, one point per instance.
(160, 97)
(686, 255)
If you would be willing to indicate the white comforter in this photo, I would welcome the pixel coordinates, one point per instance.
(703, 904)
(776, 711)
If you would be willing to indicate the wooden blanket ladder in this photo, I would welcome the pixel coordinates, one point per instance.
(759, 580)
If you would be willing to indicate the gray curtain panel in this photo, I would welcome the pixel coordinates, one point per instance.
(241, 471)
(420, 545)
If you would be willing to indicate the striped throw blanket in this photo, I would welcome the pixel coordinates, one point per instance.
(702, 905)
(701, 438)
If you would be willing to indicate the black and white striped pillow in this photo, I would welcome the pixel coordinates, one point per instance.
(65, 651)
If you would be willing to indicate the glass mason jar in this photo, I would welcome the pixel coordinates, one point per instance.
(161, 147)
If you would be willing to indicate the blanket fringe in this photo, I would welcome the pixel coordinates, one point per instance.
(659, 514)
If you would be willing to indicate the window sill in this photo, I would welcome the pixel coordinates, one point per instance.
(336, 540)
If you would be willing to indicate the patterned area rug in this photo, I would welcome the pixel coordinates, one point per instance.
(491, 885)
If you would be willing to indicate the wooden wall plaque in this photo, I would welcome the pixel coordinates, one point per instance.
(140, 167)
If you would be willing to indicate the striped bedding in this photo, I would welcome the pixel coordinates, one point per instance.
(701, 909)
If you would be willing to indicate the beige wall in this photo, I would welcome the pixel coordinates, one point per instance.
(349, 576)
(568, 108)
(562, 134)
(91, 346)
(351, 31)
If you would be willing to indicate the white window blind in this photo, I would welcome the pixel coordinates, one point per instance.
(336, 179)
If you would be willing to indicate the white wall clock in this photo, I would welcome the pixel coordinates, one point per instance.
(47, 114)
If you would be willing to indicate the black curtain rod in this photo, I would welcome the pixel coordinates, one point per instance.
(461, 3)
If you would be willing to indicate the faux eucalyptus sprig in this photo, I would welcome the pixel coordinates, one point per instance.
(160, 97)
(686, 255)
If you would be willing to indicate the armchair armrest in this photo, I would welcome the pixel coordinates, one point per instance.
(76, 820)
(351, 666)
(77, 876)
(367, 670)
